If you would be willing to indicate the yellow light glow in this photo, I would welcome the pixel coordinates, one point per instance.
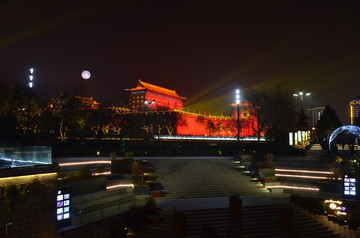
(333, 206)
(292, 187)
(86, 162)
(120, 185)
(27, 178)
(103, 173)
(305, 171)
(341, 213)
(333, 201)
(299, 176)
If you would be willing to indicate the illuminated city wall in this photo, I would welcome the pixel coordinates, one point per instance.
(140, 124)
(155, 110)
(200, 125)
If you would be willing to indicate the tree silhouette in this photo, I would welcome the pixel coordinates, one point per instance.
(275, 112)
(328, 122)
(357, 121)
(302, 121)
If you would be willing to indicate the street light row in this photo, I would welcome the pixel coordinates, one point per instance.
(31, 78)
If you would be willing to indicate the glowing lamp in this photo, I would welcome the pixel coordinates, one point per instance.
(237, 96)
(333, 206)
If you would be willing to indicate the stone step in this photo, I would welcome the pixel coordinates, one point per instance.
(258, 221)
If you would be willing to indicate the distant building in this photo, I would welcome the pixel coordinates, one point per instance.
(315, 114)
(116, 109)
(354, 110)
(85, 103)
(88, 103)
(149, 97)
(169, 123)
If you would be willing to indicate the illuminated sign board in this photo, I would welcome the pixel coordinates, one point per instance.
(63, 206)
(350, 186)
(291, 139)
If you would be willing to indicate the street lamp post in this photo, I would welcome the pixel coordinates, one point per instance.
(302, 124)
(237, 101)
(147, 108)
(30, 84)
(301, 95)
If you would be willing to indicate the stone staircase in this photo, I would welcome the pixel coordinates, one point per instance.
(256, 221)
(196, 178)
(99, 205)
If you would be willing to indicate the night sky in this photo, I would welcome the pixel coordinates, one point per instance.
(202, 49)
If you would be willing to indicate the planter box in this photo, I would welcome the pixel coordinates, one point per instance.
(153, 220)
(331, 187)
(155, 194)
(266, 173)
(85, 186)
(141, 189)
(149, 178)
(148, 170)
(121, 167)
(247, 160)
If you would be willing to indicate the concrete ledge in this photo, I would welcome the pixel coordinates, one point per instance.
(31, 170)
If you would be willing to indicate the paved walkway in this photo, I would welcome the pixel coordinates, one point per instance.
(199, 178)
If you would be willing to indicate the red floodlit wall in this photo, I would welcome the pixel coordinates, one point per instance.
(199, 125)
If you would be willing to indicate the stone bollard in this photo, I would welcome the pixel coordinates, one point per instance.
(235, 217)
(209, 232)
(179, 224)
(235, 206)
(286, 217)
(269, 159)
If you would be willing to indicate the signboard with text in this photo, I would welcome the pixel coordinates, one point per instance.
(350, 187)
(63, 207)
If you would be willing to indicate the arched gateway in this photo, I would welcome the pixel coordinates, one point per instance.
(355, 130)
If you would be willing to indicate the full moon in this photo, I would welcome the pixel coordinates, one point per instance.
(85, 74)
